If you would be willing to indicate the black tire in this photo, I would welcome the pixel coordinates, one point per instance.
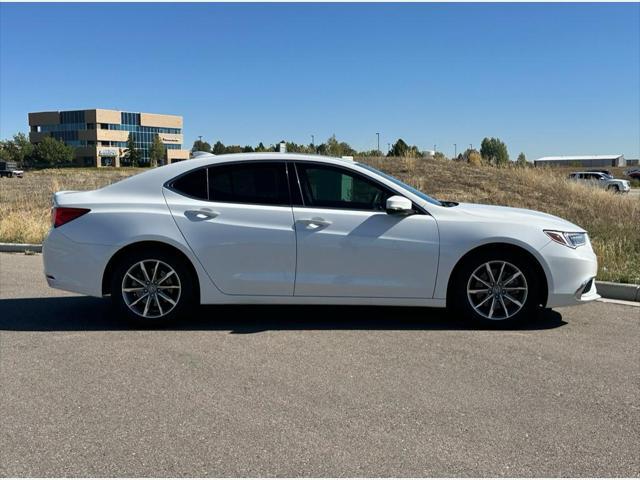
(182, 278)
(614, 188)
(460, 300)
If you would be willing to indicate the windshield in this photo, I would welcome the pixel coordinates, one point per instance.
(415, 191)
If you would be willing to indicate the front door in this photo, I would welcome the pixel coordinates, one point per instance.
(348, 246)
(237, 219)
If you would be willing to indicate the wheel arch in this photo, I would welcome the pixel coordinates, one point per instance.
(141, 246)
(502, 247)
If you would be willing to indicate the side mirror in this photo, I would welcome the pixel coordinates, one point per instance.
(399, 205)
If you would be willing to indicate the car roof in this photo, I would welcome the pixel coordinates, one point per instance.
(148, 181)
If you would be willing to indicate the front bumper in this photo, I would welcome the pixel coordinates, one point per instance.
(572, 274)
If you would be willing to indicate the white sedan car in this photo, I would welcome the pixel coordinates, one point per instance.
(300, 229)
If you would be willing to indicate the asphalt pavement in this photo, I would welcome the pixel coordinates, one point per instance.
(311, 391)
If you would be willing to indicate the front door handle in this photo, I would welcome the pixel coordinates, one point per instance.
(315, 222)
(201, 214)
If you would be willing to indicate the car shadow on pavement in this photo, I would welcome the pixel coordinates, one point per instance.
(94, 314)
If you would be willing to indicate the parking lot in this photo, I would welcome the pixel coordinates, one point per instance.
(299, 391)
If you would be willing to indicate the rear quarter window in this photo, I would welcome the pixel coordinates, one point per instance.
(192, 184)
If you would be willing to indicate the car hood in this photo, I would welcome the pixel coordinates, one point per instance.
(517, 215)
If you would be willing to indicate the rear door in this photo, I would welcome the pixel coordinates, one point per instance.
(348, 246)
(237, 219)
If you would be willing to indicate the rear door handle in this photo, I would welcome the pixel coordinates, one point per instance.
(315, 222)
(202, 214)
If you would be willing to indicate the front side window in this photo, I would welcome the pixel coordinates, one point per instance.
(260, 183)
(334, 187)
(415, 191)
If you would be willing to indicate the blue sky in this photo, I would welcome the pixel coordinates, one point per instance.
(545, 78)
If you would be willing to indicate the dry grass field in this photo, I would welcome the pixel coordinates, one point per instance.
(611, 220)
(25, 203)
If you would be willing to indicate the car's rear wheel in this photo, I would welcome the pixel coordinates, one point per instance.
(494, 288)
(152, 287)
(614, 188)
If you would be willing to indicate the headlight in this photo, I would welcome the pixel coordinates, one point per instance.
(568, 239)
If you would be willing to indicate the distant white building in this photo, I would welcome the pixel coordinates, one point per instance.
(582, 161)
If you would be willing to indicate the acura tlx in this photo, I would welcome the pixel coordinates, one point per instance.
(275, 228)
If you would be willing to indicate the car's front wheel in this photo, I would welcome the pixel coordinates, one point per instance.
(152, 287)
(496, 288)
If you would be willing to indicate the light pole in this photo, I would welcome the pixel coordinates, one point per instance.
(434, 148)
(388, 147)
(455, 150)
(378, 134)
(313, 139)
(471, 146)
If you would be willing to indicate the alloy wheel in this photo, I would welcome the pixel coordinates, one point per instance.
(497, 290)
(151, 288)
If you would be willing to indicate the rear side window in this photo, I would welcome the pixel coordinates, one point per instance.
(260, 183)
(193, 184)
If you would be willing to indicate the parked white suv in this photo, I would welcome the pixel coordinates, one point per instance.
(601, 180)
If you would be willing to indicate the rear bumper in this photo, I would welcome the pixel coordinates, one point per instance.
(573, 273)
(72, 266)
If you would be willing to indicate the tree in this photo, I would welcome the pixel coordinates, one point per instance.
(233, 149)
(218, 148)
(401, 149)
(132, 155)
(19, 149)
(261, 148)
(247, 149)
(200, 146)
(50, 152)
(293, 147)
(522, 160)
(334, 148)
(157, 152)
(494, 151)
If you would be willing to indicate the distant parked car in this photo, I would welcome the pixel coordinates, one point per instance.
(601, 180)
(10, 169)
(634, 173)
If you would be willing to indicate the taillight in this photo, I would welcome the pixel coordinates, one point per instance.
(62, 215)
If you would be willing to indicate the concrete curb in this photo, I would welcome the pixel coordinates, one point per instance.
(617, 291)
(20, 247)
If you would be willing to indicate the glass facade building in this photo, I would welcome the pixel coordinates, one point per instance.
(100, 137)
